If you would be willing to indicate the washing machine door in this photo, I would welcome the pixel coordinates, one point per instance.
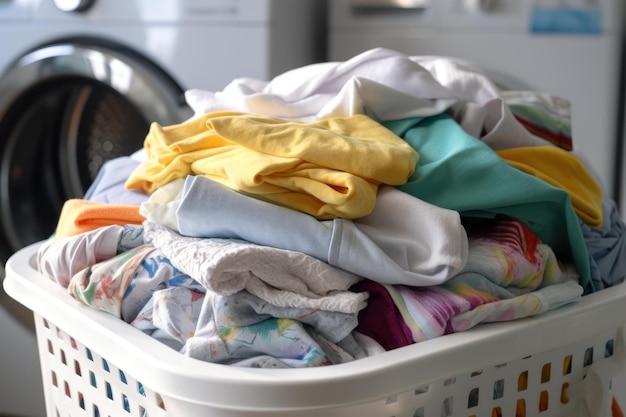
(65, 109)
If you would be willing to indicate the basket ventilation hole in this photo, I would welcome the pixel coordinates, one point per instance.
(421, 390)
(123, 378)
(588, 357)
(73, 343)
(143, 412)
(391, 399)
(96, 411)
(419, 412)
(496, 412)
(520, 410)
(63, 359)
(472, 398)
(564, 397)
(105, 365)
(81, 400)
(608, 348)
(89, 355)
(92, 379)
(545, 373)
(67, 389)
(140, 389)
(126, 403)
(543, 401)
(567, 365)
(50, 347)
(54, 379)
(446, 407)
(109, 391)
(160, 402)
(476, 373)
(522, 381)
(77, 370)
(498, 389)
(449, 381)
(46, 324)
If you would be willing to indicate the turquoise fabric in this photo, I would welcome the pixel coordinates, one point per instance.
(459, 172)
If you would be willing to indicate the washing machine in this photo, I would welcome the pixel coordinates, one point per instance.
(80, 82)
(569, 48)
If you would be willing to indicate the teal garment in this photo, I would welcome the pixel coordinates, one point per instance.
(459, 172)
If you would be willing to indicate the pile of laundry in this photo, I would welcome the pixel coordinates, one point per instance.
(340, 210)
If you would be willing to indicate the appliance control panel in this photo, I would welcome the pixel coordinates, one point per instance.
(485, 16)
(158, 11)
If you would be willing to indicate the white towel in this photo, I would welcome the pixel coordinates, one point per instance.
(281, 277)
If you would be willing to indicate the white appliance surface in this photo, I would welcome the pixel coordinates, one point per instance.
(581, 64)
(199, 43)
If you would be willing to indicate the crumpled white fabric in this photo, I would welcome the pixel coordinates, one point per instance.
(281, 277)
(383, 84)
(162, 204)
(61, 259)
(482, 109)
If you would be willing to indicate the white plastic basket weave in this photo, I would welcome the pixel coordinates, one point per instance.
(561, 363)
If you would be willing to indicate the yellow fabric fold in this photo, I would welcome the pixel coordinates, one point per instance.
(564, 170)
(327, 168)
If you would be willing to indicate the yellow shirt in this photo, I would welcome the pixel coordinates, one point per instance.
(327, 168)
(564, 170)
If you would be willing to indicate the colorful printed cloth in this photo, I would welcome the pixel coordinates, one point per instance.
(510, 274)
(142, 287)
(206, 327)
(122, 284)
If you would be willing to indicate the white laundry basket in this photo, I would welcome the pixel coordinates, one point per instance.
(561, 363)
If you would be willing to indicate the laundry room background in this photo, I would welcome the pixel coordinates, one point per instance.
(80, 82)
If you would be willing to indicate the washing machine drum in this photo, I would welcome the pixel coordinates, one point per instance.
(65, 109)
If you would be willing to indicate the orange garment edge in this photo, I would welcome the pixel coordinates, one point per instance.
(616, 409)
(79, 216)
(563, 170)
